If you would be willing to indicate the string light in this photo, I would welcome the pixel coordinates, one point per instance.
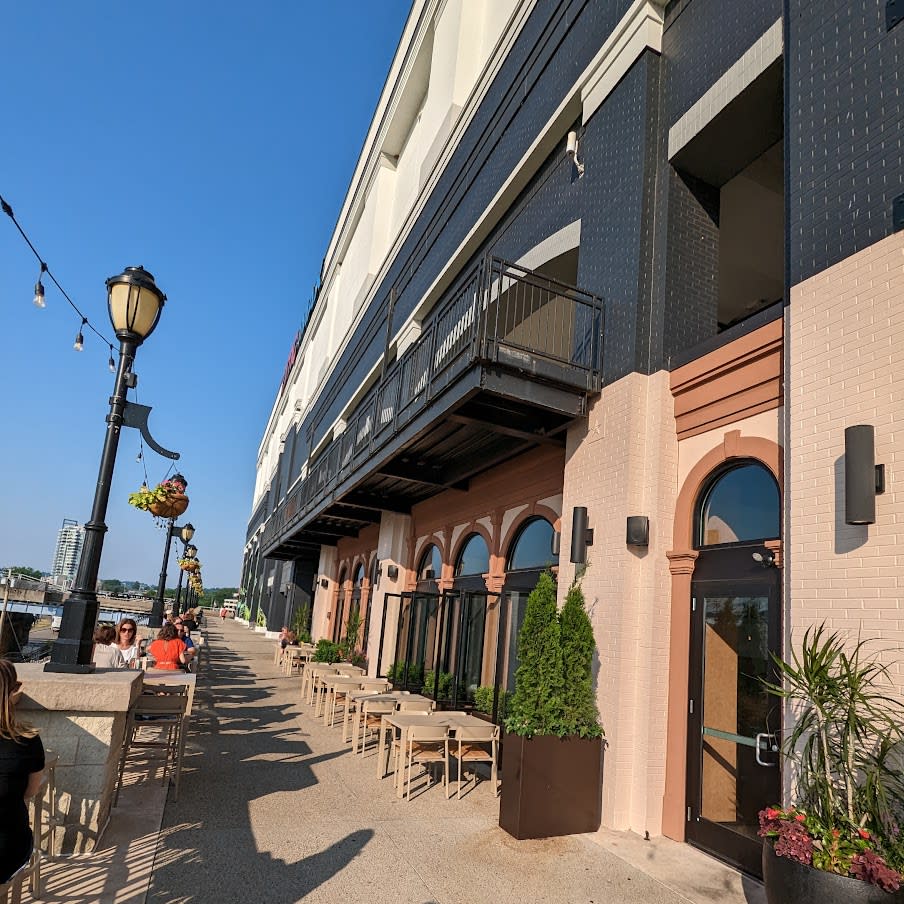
(39, 289)
(79, 343)
(38, 299)
(111, 363)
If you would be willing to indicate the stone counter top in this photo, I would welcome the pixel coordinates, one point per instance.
(105, 690)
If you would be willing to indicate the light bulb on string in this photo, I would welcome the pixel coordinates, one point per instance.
(138, 457)
(111, 363)
(38, 300)
(79, 343)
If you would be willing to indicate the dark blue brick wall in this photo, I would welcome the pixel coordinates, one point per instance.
(845, 118)
(701, 41)
(557, 43)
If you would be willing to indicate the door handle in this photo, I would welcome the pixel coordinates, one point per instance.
(765, 741)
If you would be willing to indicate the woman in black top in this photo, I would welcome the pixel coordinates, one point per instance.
(21, 770)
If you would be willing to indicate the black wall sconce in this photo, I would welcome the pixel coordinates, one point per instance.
(863, 478)
(392, 572)
(637, 531)
(581, 535)
(324, 582)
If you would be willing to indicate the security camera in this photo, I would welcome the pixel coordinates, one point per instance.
(766, 561)
(571, 152)
(571, 149)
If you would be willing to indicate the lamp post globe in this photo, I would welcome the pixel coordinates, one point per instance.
(191, 551)
(187, 532)
(134, 302)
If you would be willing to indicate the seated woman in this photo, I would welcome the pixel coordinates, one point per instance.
(184, 635)
(127, 642)
(168, 650)
(106, 653)
(21, 770)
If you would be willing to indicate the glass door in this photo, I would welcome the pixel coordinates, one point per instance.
(733, 722)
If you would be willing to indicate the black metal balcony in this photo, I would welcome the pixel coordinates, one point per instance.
(507, 362)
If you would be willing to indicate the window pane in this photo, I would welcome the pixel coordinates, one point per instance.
(431, 559)
(742, 504)
(533, 546)
(474, 557)
(359, 576)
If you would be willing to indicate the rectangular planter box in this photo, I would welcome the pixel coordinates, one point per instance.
(551, 786)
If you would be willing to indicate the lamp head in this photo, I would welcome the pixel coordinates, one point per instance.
(134, 304)
(191, 551)
(187, 532)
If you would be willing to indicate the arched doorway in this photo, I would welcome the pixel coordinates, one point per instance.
(468, 617)
(339, 605)
(416, 636)
(733, 723)
(530, 553)
(354, 607)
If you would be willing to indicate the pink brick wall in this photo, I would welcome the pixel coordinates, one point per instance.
(845, 367)
(623, 461)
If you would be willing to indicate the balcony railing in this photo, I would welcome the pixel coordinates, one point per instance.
(499, 314)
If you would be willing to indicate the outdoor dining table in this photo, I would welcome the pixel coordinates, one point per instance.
(356, 699)
(332, 683)
(403, 721)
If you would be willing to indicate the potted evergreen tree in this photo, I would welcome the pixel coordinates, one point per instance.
(553, 743)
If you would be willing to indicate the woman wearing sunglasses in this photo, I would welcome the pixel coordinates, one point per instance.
(21, 771)
(127, 641)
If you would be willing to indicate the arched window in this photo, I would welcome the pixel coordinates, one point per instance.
(431, 565)
(474, 557)
(358, 578)
(739, 505)
(532, 547)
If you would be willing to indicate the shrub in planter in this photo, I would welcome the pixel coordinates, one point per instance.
(402, 676)
(445, 685)
(326, 651)
(552, 771)
(846, 744)
(483, 700)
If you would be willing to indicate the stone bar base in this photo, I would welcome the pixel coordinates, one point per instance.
(83, 719)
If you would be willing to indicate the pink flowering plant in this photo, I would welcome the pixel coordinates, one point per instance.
(846, 745)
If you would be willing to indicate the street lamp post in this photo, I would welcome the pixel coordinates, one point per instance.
(134, 304)
(186, 532)
(189, 552)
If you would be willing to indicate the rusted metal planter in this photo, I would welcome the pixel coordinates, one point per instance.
(551, 786)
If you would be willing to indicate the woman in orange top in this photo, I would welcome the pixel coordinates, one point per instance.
(167, 649)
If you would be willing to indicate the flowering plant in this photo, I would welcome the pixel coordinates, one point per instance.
(187, 564)
(146, 497)
(845, 744)
(849, 850)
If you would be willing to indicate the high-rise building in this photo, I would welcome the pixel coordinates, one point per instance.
(70, 540)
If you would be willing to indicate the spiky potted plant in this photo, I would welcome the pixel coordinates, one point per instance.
(553, 744)
(843, 837)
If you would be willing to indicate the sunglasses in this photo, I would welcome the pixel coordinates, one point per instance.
(126, 630)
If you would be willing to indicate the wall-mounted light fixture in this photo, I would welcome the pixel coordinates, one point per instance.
(571, 152)
(764, 559)
(324, 582)
(392, 572)
(863, 478)
(581, 535)
(429, 574)
(637, 532)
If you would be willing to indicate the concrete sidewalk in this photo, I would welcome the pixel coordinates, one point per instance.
(275, 808)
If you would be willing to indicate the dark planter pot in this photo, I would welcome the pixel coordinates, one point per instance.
(551, 786)
(790, 882)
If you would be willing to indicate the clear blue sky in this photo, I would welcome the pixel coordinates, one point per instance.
(212, 143)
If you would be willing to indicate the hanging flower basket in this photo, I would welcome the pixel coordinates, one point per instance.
(171, 507)
(166, 500)
(189, 565)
